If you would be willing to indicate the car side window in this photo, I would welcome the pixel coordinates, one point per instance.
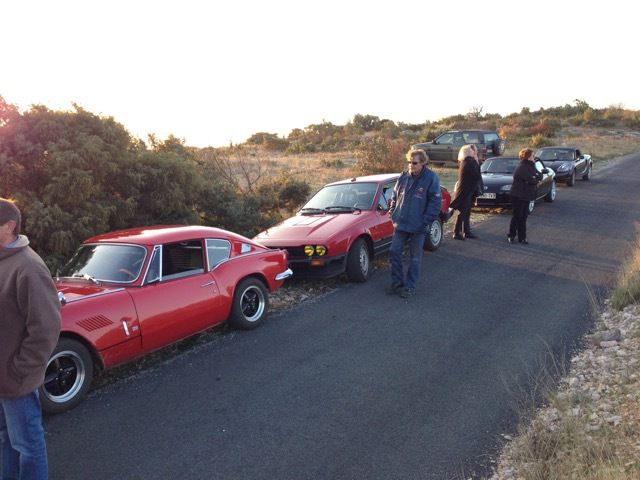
(153, 272)
(539, 166)
(471, 137)
(182, 259)
(217, 251)
(385, 196)
(445, 138)
(490, 137)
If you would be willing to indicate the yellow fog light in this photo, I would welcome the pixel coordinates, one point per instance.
(321, 250)
(308, 250)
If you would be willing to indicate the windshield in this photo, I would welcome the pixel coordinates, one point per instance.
(500, 165)
(108, 263)
(554, 155)
(348, 195)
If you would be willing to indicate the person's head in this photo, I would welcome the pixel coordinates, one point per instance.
(10, 221)
(465, 151)
(526, 154)
(417, 160)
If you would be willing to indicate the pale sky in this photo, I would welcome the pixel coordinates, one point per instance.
(214, 72)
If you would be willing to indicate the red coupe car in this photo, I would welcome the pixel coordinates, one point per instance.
(342, 227)
(128, 293)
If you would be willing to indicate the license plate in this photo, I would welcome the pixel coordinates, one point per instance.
(488, 195)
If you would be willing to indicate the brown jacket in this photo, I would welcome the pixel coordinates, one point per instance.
(29, 319)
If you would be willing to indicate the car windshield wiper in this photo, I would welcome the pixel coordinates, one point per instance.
(85, 276)
(341, 207)
(311, 210)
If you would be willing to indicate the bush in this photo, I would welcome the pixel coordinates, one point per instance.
(539, 140)
(379, 155)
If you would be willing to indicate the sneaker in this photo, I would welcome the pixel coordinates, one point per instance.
(457, 236)
(393, 289)
(510, 239)
(407, 292)
(470, 235)
(524, 242)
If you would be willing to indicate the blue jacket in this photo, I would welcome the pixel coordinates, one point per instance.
(416, 202)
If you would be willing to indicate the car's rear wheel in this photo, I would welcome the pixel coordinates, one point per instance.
(68, 376)
(532, 205)
(434, 239)
(551, 196)
(358, 261)
(572, 179)
(587, 174)
(250, 304)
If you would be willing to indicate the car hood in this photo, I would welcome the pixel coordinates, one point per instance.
(497, 178)
(556, 164)
(308, 228)
(77, 289)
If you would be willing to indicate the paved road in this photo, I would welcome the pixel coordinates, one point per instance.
(360, 385)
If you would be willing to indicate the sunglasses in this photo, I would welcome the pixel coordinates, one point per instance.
(412, 162)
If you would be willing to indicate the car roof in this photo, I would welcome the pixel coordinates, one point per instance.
(154, 235)
(471, 130)
(380, 178)
(563, 147)
(505, 157)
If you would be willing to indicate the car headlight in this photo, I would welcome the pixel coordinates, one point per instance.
(321, 250)
(505, 188)
(564, 167)
(308, 250)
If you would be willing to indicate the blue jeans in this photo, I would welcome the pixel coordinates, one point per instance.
(416, 242)
(23, 452)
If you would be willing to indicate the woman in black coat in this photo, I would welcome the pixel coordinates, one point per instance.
(523, 190)
(469, 182)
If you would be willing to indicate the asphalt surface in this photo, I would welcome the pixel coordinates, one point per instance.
(361, 385)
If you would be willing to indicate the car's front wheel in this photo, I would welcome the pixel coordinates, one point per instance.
(68, 376)
(572, 179)
(587, 174)
(433, 240)
(551, 196)
(358, 261)
(250, 304)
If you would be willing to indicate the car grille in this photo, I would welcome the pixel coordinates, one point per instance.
(294, 252)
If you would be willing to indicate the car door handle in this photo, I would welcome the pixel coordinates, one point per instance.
(212, 282)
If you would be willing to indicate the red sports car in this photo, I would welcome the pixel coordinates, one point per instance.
(342, 227)
(127, 293)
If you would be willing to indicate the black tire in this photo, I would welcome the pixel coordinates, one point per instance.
(572, 179)
(587, 174)
(434, 239)
(68, 376)
(358, 261)
(250, 304)
(551, 196)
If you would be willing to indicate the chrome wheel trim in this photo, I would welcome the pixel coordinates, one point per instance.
(252, 303)
(364, 260)
(61, 366)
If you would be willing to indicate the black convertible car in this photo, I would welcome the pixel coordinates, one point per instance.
(567, 162)
(497, 176)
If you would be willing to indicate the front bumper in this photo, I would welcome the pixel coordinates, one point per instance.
(318, 267)
(502, 199)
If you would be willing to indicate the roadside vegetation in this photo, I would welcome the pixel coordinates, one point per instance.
(589, 428)
(75, 174)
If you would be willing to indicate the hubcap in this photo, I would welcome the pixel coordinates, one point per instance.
(252, 303)
(364, 260)
(553, 191)
(64, 376)
(436, 233)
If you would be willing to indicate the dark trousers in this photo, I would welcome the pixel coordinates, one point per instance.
(463, 225)
(518, 224)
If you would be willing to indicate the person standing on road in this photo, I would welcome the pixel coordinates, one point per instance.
(523, 191)
(415, 204)
(468, 185)
(29, 326)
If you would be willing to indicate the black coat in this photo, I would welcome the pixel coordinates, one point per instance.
(525, 181)
(469, 182)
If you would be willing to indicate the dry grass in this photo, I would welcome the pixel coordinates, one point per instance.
(628, 289)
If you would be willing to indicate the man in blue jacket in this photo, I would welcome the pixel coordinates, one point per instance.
(415, 205)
